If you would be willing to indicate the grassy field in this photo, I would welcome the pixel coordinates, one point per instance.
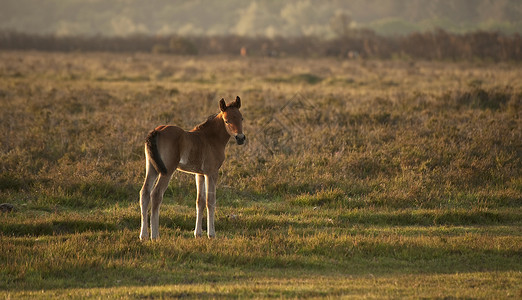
(362, 179)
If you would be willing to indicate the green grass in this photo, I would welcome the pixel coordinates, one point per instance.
(360, 179)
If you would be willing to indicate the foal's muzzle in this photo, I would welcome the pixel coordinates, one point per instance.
(240, 139)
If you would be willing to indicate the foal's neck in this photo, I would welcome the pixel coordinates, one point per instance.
(217, 130)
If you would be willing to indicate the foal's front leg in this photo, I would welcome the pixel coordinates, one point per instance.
(210, 182)
(200, 203)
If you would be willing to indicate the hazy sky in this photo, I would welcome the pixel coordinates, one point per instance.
(269, 18)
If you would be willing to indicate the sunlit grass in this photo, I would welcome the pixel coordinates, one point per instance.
(364, 179)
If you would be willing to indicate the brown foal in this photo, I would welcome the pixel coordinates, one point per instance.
(200, 151)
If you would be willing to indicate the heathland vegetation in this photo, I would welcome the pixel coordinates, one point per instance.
(354, 43)
(364, 178)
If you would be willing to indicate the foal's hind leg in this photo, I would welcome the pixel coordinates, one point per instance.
(157, 197)
(150, 178)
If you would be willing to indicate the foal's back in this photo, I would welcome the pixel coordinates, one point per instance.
(189, 151)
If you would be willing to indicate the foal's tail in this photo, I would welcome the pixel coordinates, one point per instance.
(153, 153)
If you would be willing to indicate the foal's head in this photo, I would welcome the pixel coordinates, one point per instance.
(233, 119)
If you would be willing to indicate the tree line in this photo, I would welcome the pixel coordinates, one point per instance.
(363, 43)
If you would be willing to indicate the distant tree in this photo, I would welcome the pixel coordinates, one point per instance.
(180, 45)
(340, 23)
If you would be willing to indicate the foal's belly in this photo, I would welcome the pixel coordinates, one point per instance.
(199, 157)
(189, 162)
(190, 169)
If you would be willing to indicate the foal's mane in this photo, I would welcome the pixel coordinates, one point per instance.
(205, 123)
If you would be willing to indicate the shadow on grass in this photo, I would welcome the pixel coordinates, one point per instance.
(429, 218)
(253, 223)
(98, 276)
(55, 227)
(200, 267)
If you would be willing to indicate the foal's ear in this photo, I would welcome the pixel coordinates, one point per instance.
(222, 104)
(237, 103)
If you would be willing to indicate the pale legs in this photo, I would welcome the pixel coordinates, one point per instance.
(210, 182)
(200, 203)
(152, 191)
(150, 179)
(206, 196)
(156, 199)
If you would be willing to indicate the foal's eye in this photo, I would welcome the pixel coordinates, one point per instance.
(227, 122)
